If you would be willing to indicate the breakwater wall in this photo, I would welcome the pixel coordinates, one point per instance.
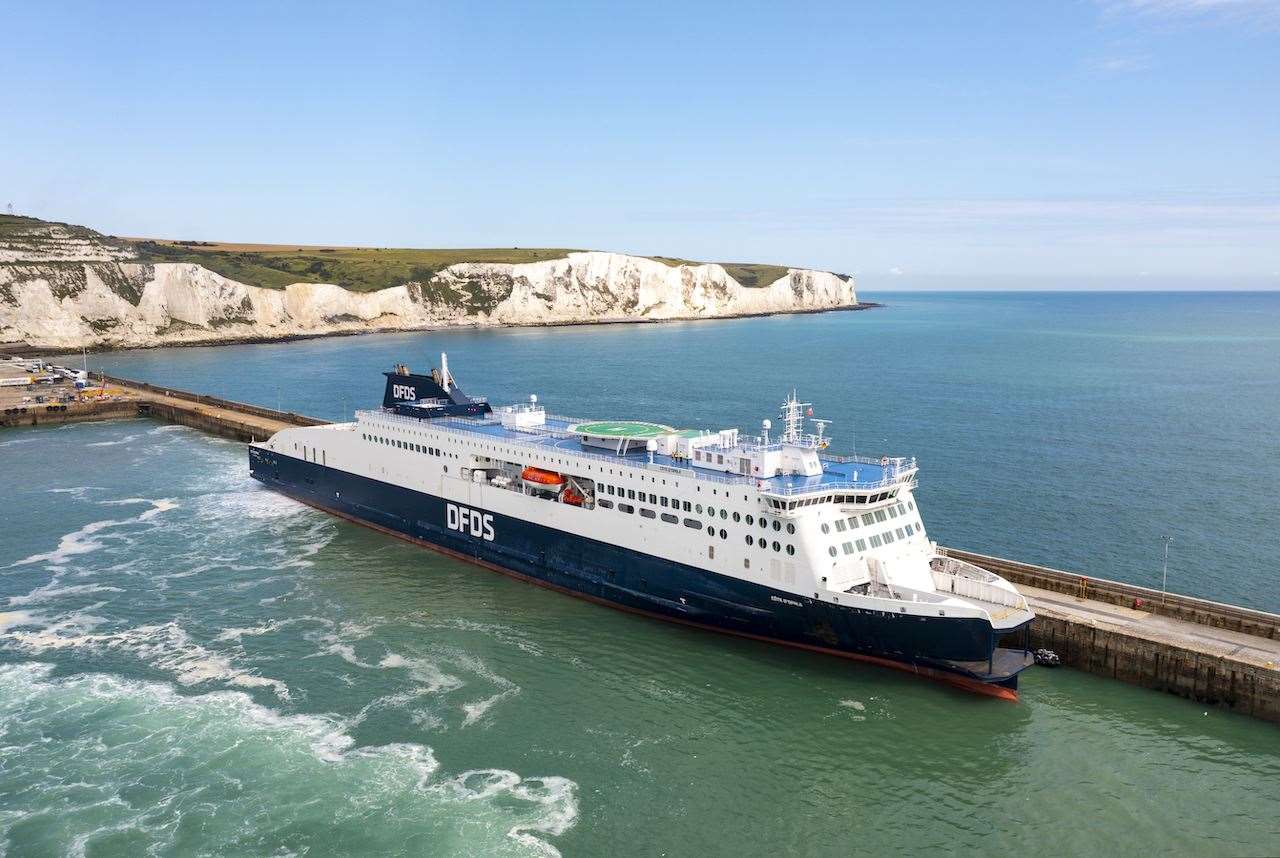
(67, 412)
(1210, 652)
(168, 393)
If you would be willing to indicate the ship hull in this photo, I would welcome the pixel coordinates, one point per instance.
(959, 651)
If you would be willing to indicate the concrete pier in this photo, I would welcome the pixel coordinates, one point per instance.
(237, 420)
(1213, 653)
(1206, 651)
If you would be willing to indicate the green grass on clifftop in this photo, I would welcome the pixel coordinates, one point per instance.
(360, 269)
(274, 266)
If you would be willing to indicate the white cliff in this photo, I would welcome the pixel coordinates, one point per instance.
(106, 300)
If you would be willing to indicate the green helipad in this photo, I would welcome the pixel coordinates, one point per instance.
(621, 429)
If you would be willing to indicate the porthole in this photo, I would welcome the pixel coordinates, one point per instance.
(711, 529)
(724, 513)
(791, 549)
(777, 546)
(826, 528)
(777, 525)
(791, 528)
(737, 517)
(723, 534)
(764, 525)
(699, 509)
(751, 519)
(830, 550)
(750, 539)
(711, 511)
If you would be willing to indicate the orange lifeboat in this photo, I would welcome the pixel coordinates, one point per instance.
(550, 479)
(572, 497)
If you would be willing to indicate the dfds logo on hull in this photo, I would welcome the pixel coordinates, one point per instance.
(472, 521)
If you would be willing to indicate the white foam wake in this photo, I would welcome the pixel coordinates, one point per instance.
(84, 539)
(166, 647)
(269, 773)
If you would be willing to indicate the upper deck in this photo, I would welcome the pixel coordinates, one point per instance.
(840, 475)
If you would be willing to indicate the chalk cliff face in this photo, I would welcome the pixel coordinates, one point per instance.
(69, 296)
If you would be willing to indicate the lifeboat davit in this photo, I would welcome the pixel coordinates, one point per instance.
(537, 476)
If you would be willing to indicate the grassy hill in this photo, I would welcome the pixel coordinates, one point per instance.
(274, 266)
(360, 269)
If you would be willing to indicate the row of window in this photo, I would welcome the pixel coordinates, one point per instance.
(838, 499)
(695, 524)
(876, 540)
(407, 445)
(879, 515)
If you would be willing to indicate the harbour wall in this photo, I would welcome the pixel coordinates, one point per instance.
(1174, 605)
(1205, 651)
(1210, 652)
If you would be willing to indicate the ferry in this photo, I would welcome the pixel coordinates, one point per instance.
(771, 537)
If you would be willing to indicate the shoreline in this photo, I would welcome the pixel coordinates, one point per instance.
(37, 349)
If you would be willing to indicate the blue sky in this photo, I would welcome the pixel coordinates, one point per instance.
(1122, 143)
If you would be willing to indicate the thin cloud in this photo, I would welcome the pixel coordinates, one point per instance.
(1116, 65)
(1264, 12)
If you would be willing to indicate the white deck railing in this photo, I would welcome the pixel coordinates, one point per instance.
(466, 425)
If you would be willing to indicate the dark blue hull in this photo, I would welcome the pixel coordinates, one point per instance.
(957, 650)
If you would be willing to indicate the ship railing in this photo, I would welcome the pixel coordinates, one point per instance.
(838, 485)
(465, 424)
(973, 582)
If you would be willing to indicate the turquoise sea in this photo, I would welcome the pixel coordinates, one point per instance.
(190, 665)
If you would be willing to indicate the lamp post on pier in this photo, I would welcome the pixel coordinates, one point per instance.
(1164, 575)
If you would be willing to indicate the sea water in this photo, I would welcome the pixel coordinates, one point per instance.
(190, 664)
